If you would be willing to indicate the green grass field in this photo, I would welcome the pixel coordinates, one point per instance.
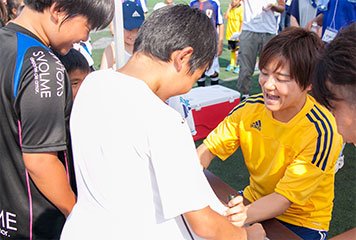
(233, 170)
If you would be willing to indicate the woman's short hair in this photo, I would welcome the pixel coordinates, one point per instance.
(297, 47)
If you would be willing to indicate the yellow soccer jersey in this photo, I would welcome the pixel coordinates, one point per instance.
(295, 159)
(234, 21)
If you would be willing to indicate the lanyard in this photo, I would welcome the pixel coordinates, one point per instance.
(332, 24)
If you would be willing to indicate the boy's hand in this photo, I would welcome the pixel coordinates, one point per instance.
(237, 212)
(256, 232)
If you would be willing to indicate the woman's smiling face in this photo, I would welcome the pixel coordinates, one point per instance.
(282, 94)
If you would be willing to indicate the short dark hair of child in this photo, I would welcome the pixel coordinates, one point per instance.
(3, 14)
(12, 4)
(74, 60)
(173, 28)
(98, 12)
(297, 47)
(337, 66)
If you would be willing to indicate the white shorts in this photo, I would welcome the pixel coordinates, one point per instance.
(215, 67)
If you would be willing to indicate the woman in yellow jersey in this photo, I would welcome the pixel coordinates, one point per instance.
(289, 142)
(234, 16)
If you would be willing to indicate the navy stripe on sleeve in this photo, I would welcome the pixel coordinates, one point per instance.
(252, 99)
(325, 136)
(320, 124)
(319, 137)
(331, 136)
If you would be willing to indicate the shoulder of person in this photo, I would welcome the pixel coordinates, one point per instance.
(253, 103)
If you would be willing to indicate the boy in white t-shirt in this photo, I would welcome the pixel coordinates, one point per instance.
(137, 169)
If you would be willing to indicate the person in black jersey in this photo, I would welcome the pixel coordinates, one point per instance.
(36, 170)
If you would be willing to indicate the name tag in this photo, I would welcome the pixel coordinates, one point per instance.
(329, 34)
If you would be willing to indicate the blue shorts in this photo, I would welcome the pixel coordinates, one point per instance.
(306, 233)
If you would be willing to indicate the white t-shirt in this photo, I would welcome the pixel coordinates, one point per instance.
(136, 165)
(257, 20)
(159, 5)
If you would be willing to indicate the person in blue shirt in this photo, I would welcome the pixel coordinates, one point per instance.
(333, 15)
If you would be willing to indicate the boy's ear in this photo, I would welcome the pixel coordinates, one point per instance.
(181, 58)
(56, 14)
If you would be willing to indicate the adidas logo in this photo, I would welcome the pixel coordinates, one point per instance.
(136, 14)
(256, 125)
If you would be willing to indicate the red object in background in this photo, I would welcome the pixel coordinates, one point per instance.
(210, 105)
(209, 117)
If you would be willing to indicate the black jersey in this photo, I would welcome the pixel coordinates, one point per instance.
(35, 103)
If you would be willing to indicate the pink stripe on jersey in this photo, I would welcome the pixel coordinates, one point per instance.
(28, 185)
(30, 202)
(67, 170)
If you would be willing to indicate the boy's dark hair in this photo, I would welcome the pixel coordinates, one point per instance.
(98, 12)
(3, 14)
(73, 60)
(297, 47)
(175, 27)
(337, 69)
(12, 4)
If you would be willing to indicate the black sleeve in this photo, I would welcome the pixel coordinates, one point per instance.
(41, 102)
